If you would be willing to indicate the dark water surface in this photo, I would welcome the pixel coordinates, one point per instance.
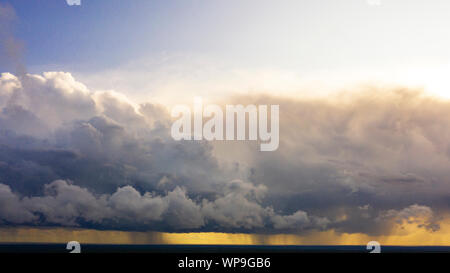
(95, 248)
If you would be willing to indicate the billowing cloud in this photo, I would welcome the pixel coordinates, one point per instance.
(69, 205)
(12, 210)
(414, 214)
(71, 156)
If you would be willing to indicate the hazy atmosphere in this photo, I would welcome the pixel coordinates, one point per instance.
(86, 93)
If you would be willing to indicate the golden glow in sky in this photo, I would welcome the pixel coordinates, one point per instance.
(405, 235)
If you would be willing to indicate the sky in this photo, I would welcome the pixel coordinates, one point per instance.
(85, 98)
(190, 42)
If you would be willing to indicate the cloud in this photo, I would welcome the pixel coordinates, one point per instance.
(299, 221)
(383, 147)
(414, 214)
(237, 207)
(54, 97)
(69, 205)
(64, 204)
(11, 209)
(358, 162)
(73, 2)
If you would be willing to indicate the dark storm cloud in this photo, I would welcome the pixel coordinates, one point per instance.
(387, 148)
(65, 204)
(358, 163)
(125, 171)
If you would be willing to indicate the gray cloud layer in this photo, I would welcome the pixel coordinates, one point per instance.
(360, 163)
(69, 205)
